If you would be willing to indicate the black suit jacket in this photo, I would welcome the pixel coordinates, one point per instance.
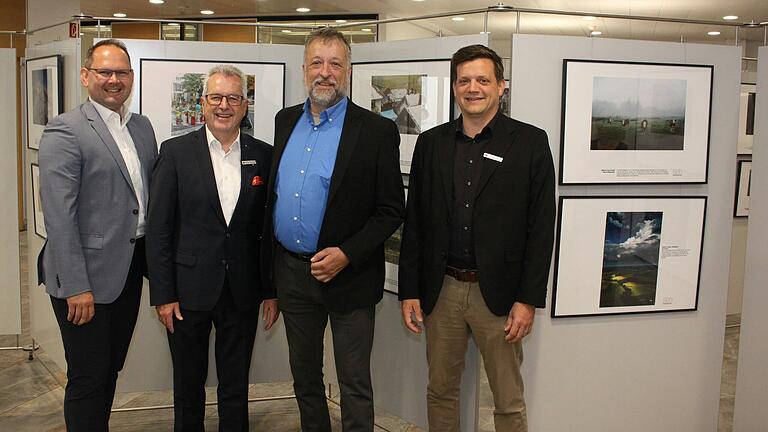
(365, 203)
(513, 219)
(190, 248)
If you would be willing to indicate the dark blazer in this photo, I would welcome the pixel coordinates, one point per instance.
(190, 248)
(513, 219)
(365, 203)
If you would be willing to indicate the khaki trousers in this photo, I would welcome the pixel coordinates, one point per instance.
(461, 310)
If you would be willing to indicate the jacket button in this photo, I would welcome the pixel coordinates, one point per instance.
(227, 235)
(133, 240)
(442, 255)
(135, 211)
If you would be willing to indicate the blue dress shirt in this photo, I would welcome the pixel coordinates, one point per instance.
(304, 177)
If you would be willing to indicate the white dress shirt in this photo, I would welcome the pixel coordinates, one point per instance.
(226, 169)
(118, 128)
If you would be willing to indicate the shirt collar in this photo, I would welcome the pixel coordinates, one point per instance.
(216, 144)
(329, 113)
(106, 114)
(487, 130)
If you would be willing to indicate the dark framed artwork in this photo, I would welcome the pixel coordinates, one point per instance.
(619, 255)
(37, 208)
(743, 189)
(641, 123)
(170, 92)
(747, 99)
(392, 252)
(44, 94)
(415, 94)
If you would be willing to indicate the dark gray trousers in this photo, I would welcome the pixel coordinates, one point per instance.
(305, 316)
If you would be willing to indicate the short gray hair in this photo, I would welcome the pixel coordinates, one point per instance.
(327, 34)
(227, 71)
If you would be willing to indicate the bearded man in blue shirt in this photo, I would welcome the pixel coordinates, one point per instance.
(338, 195)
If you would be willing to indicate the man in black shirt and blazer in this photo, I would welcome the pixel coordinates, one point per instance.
(477, 241)
(205, 221)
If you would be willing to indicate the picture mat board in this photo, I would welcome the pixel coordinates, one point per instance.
(36, 205)
(436, 94)
(156, 87)
(44, 93)
(581, 245)
(743, 189)
(582, 165)
(747, 98)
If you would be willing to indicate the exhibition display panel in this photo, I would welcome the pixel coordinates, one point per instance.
(45, 95)
(747, 99)
(743, 189)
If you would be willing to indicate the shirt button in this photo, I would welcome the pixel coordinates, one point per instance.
(298, 241)
(470, 161)
(330, 119)
(314, 128)
(466, 228)
(301, 172)
(295, 218)
(309, 149)
(296, 195)
(469, 183)
(466, 205)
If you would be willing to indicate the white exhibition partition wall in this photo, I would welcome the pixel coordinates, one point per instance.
(10, 307)
(399, 363)
(646, 371)
(752, 378)
(43, 327)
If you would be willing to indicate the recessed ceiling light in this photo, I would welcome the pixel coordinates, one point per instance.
(285, 31)
(366, 29)
(595, 33)
(714, 33)
(419, 0)
(341, 21)
(174, 24)
(157, 1)
(458, 18)
(102, 27)
(119, 15)
(303, 9)
(589, 18)
(206, 12)
(730, 17)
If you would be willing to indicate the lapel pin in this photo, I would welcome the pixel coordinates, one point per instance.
(256, 181)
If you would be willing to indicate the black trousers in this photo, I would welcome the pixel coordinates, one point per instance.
(305, 317)
(96, 351)
(235, 334)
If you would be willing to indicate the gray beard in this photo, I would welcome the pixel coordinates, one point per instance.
(325, 98)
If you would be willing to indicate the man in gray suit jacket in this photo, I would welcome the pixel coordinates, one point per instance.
(95, 164)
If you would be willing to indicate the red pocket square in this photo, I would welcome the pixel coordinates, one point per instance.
(256, 181)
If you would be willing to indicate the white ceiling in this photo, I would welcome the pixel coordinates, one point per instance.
(501, 24)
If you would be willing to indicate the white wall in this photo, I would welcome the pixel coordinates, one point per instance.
(654, 372)
(41, 13)
(10, 307)
(750, 412)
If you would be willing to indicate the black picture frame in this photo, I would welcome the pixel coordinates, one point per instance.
(37, 210)
(743, 189)
(44, 94)
(588, 256)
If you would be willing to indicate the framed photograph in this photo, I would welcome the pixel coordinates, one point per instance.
(619, 255)
(45, 95)
(416, 95)
(746, 119)
(504, 105)
(743, 189)
(170, 93)
(634, 122)
(37, 208)
(392, 252)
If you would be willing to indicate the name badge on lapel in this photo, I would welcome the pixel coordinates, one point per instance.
(248, 162)
(493, 157)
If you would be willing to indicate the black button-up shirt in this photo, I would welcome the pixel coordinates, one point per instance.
(467, 165)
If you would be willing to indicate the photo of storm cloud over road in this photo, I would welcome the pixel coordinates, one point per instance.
(638, 114)
(630, 259)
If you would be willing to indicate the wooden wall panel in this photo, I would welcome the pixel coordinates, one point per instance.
(136, 31)
(228, 33)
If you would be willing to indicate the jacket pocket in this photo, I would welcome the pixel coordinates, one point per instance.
(186, 260)
(514, 255)
(92, 241)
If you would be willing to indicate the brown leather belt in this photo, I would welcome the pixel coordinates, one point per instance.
(463, 275)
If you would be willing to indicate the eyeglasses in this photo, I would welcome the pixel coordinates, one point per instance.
(232, 100)
(106, 74)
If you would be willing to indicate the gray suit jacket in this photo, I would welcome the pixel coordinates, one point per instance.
(89, 204)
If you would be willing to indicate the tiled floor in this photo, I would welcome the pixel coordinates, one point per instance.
(31, 394)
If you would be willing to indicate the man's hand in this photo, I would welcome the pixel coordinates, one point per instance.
(269, 313)
(519, 322)
(412, 307)
(166, 312)
(327, 263)
(80, 308)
